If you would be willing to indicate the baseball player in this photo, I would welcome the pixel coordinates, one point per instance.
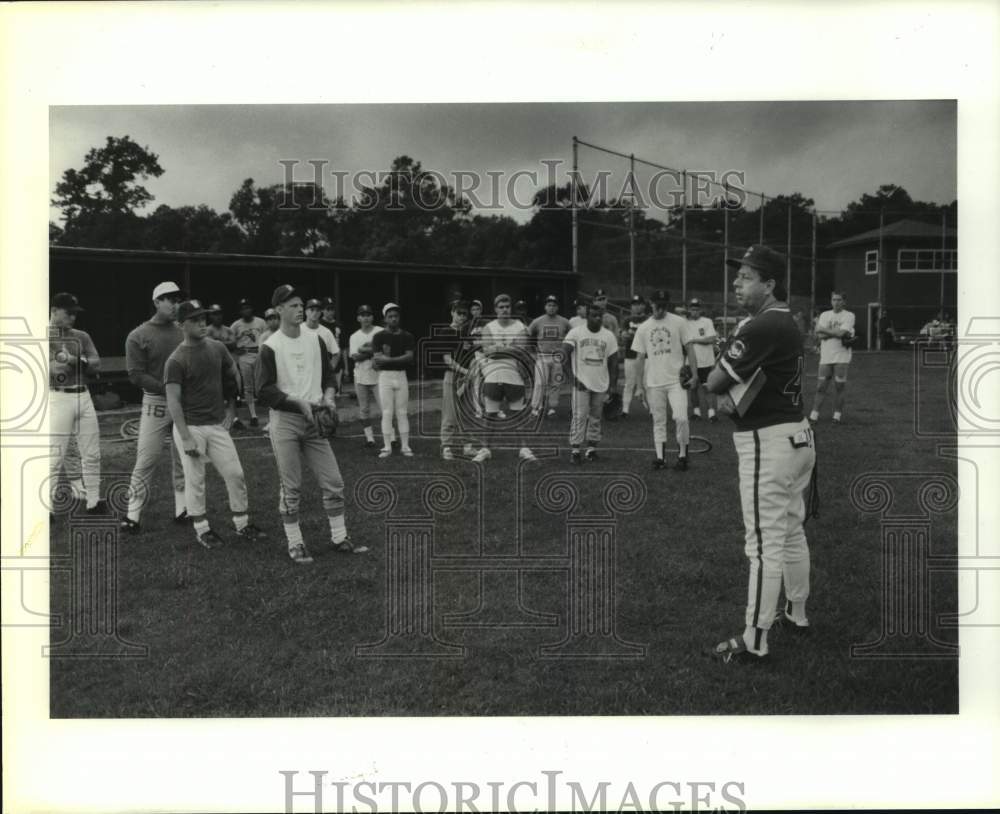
(520, 312)
(293, 375)
(580, 318)
(365, 376)
(458, 360)
(475, 383)
(314, 310)
(705, 340)
(247, 331)
(775, 449)
(200, 382)
(591, 353)
(660, 344)
(218, 331)
(506, 347)
(146, 350)
(329, 321)
(72, 357)
(835, 330)
(548, 332)
(273, 322)
(633, 366)
(609, 319)
(394, 352)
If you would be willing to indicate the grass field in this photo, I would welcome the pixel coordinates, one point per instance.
(242, 631)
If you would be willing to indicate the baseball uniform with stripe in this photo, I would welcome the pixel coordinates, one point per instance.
(247, 335)
(548, 333)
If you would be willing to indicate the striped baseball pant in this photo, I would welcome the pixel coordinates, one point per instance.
(775, 467)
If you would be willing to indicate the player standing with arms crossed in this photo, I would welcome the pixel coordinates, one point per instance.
(365, 376)
(660, 344)
(72, 357)
(200, 382)
(775, 449)
(835, 330)
(591, 354)
(704, 340)
(146, 350)
(218, 331)
(394, 353)
(329, 321)
(247, 331)
(293, 376)
(633, 366)
(505, 343)
(458, 361)
(548, 332)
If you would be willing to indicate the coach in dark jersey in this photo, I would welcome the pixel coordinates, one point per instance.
(200, 381)
(775, 448)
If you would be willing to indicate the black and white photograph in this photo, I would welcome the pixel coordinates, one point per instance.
(389, 418)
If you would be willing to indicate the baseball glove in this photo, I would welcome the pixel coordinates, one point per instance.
(613, 407)
(687, 377)
(848, 341)
(326, 420)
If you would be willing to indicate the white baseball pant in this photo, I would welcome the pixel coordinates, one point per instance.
(586, 422)
(154, 426)
(548, 380)
(215, 444)
(657, 399)
(73, 414)
(633, 382)
(394, 396)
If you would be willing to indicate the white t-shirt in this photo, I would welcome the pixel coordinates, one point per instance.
(298, 364)
(364, 372)
(832, 351)
(590, 356)
(576, 322)
(506, 369)
(326, 335)
(662, 341)
(698, 328)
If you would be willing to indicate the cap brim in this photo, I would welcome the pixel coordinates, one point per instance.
(195, 315)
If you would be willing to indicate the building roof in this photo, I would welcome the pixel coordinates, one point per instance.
(251, 260)
(901, 228)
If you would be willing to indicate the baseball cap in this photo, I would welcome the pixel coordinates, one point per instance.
(637, 300)
(283, 293)
(520, 304)
(189, 309)
(600, 293)
(365, 310)
(215, 309)
(327, 302)
(552, 298)
(67, 302)
(661, 296)
(476, 302)
(245, 303)
(270, 312)
(764, 259)
(165, 288)
(314, 303)
(390, 306)
(695, 303)
(460, 305)
(499, 298)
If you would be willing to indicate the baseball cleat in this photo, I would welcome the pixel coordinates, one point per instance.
(735, 650)
(299, 554)
(447, 454)
(251, 532)
(681, 465)
(713, 418)
(130, 526)
(535, 413)
(575, 457)
(407, 452)
(551, 412)
(502, 415)
(348, 546)
(696, 417)
(526, 454)
(659, 463)
(210, 539)
(800, 626)
(385, 452)
(254, 422)
(238, 425)
(181, 518)
(98, 508)
(483, 455)
(590, 455)
(623, 415)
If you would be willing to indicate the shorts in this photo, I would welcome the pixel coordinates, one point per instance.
(703, 373)
(496, 392)
(839, 372)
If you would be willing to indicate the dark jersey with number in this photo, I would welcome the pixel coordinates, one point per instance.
(770, 340)
(393, 344)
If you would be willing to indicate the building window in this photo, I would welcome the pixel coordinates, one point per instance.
(871, 262)
(928, 260)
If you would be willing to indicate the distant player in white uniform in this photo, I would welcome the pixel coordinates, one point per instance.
(580, 317)
(548, 332)
(146, 350)
(633, 366)
(591, 353)
(314, 311)
(475, 382)
(394, 354)
(72, 357)
(662, 343)
(609, 320)
(361, 351)
(834, 328)
(506, 346)
(247, 331)
(200, 382)
(704, 339)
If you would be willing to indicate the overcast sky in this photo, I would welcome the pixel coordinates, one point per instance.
(829, 151)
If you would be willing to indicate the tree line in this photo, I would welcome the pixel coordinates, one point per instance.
(100, 207)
